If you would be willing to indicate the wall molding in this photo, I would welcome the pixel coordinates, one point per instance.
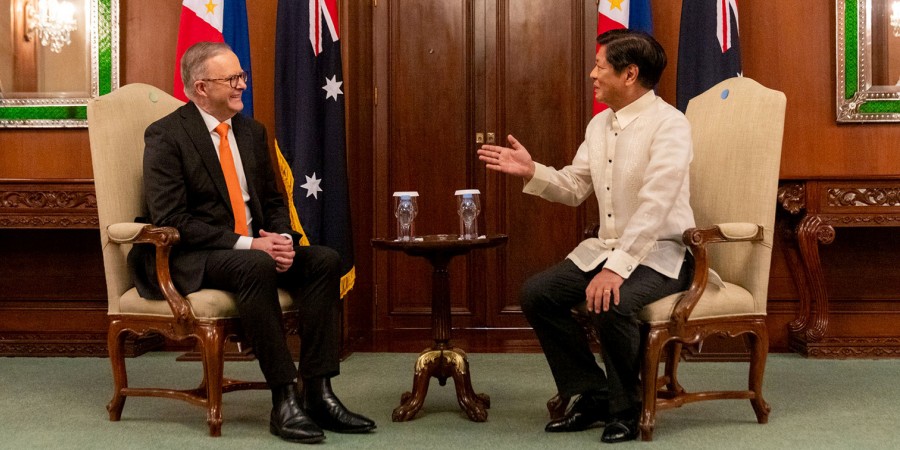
(48, 203)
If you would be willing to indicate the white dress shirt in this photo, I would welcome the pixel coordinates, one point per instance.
(636, 160)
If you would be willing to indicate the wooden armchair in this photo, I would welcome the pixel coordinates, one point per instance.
(737, 128)
(116, 124)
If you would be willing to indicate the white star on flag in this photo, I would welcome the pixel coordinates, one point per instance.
(312, 186)
(332, 87)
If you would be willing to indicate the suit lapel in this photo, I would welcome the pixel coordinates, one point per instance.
(196, 129)
(244, 139)
(243, 135)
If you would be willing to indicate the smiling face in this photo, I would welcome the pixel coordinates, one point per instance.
(608, 85)
(215, 95)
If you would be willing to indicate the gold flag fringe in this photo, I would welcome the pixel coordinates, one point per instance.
(349, 278)
(288, 177)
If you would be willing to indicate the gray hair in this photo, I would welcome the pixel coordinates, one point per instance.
(193, 63)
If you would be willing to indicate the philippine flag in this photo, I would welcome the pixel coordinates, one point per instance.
(215, 21)
(615, 14)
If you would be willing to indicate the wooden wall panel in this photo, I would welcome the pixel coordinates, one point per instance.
(39, 153)
(540, 86)
(49, 299)
(356, 36)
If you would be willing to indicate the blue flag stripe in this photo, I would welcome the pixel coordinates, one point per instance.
(236, 35)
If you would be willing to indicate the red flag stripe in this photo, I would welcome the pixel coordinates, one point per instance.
(191, 30)
(316, 10)
(332, 9)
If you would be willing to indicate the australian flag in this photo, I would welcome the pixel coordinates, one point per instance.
(309, 126)
(709, 48)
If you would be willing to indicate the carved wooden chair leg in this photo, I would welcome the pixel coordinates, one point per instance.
(116, 344)
(213, 343)
(759, 349)
(672, 359)
(649, 370)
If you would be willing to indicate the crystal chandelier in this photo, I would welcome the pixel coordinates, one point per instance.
(52, 21)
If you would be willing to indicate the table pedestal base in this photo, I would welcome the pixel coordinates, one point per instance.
(443, 364)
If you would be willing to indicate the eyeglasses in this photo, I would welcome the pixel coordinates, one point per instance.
(232, 80)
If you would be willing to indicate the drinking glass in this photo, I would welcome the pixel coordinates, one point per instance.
(405, 209)
(468, 205)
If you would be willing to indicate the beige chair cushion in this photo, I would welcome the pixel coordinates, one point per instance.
(206, 303)
(731, 301)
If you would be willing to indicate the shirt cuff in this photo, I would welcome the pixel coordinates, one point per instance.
(621, 263)
(539, 181)
(243, 243)
(290, 238)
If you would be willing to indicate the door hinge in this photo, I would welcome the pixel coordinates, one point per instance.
(376, 96)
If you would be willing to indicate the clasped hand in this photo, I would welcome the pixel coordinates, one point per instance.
(279, 247)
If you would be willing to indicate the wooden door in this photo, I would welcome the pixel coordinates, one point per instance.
(445, 72)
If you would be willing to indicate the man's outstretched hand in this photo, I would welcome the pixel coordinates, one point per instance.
(514, 160)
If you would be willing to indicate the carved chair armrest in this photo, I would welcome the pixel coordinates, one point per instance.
(697, 239)
(163, 238)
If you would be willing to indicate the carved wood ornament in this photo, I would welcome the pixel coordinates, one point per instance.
(48, 204)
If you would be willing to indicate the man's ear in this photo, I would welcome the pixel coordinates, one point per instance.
(631, 74)
(200, 88)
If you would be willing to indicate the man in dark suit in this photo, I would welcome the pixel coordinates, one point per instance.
(207, 173)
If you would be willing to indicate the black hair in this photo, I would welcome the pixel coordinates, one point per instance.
(625, 47)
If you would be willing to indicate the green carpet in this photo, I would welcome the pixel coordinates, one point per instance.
(60, 403)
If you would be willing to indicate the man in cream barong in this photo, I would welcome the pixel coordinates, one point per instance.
(635, 158)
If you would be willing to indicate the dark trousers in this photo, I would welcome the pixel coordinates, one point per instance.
(251, 275)
(547, 300)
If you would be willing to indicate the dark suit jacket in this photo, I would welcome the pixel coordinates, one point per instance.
(184, 188)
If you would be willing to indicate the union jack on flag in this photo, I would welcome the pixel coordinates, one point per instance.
(725, 10)
(323, 11)
(709, 48)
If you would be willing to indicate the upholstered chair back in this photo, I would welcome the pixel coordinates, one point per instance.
(737, 128)
(116, 124)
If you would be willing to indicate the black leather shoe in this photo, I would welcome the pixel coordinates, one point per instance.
(288, 420)
(327, 411)
(620, 431)
(587, 412)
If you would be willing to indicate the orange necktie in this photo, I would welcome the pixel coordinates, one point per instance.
(231, 180)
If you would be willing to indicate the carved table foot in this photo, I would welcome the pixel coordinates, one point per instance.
(443, 364)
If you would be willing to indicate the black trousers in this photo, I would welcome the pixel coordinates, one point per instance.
(547, 300)
(251, 275)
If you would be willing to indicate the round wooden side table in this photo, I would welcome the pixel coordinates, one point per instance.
(441, 361)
